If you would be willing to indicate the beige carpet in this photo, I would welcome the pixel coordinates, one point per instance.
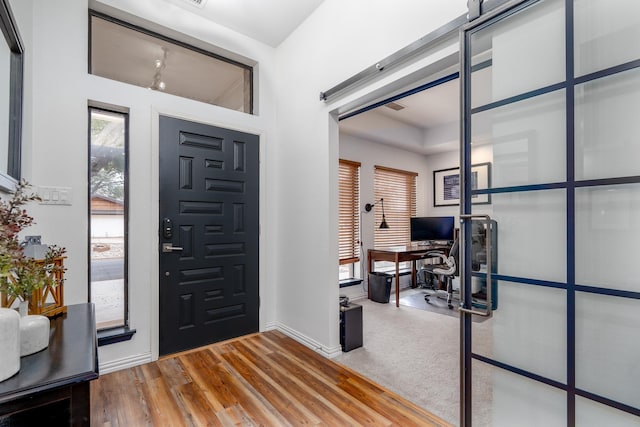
(437, 304)
(415, 353)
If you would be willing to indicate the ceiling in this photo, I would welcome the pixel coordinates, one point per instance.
(268, 21)
(428, 124)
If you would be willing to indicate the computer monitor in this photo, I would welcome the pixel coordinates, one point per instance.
(430, 228)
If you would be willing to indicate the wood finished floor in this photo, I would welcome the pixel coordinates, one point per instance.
(265, 379)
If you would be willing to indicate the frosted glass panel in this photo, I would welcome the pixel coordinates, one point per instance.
(482, 394)
(516, 400)
(607, 236)
(607, 126)
(606, 33)
(527, 138)
(532, 234)
(607, 347)
(526, 50)
(528, 330)
(594, 414)
(481, 92)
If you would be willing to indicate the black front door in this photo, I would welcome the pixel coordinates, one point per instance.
(208, 234)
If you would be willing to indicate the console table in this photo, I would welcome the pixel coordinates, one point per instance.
(52, 386)
(398, 254)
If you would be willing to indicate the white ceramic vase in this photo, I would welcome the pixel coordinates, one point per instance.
(34, 334)
(10, 343)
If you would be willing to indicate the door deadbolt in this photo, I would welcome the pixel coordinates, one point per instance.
(167, 228)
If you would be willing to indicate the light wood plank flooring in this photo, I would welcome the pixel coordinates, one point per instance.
(265, 379)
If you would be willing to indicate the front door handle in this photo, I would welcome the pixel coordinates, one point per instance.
(167, 248)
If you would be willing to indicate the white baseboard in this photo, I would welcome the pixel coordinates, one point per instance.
(140, 359)
(329, 352)
(125, 362)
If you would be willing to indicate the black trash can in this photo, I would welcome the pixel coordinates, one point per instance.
(380, 286)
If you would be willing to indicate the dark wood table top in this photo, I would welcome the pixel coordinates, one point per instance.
(411, 248)
(71, 357)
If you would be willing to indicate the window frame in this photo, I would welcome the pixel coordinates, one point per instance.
(120, 330)
(10, 176)
(354, 208)
(391, 211)
(94, 13)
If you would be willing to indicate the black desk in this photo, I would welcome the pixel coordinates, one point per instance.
(398, 254)
(52, 387)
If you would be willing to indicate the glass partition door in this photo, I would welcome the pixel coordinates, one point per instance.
(552, 99)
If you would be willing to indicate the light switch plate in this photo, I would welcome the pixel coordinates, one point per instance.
(55, 195)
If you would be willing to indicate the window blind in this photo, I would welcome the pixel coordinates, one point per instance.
(398, 189)
(349, 218)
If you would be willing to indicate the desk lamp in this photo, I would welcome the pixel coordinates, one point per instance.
(370, 206)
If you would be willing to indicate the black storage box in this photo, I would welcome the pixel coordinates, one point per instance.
(380, 286)
(350, 326)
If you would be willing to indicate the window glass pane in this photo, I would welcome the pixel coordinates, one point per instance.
(526, 140)
(607, 234)
(532, 234)
(502, 398)
(107, 217)
(5, 79)
(607, 347)
(542, 313)
(607, 125)
(524, 52)
(594, 414)
(606, 34)
(140, 58)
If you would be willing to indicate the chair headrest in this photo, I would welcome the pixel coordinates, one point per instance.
(454, 249)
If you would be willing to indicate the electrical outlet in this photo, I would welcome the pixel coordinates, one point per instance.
(55, 195)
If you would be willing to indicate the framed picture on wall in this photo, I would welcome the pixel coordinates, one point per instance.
(446, 185)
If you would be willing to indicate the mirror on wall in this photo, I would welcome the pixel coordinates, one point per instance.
(11, 75)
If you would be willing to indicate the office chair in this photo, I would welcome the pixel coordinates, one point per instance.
(447, 268)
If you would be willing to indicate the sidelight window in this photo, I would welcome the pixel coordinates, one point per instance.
(108, 152)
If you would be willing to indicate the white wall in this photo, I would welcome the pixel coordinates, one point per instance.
(369, 154)
(447, 160)
(298, 159)
(56, 152)
(337, 41)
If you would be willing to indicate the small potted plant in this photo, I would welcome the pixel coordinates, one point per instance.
(21, 275)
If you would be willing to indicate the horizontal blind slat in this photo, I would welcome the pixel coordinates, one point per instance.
(348, 212)
(397, 188)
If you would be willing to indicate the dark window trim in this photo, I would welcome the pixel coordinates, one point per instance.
(100, 15)
(16, 84)
(105, 212)
(96, 105)
(114, 335)
(344, 283)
